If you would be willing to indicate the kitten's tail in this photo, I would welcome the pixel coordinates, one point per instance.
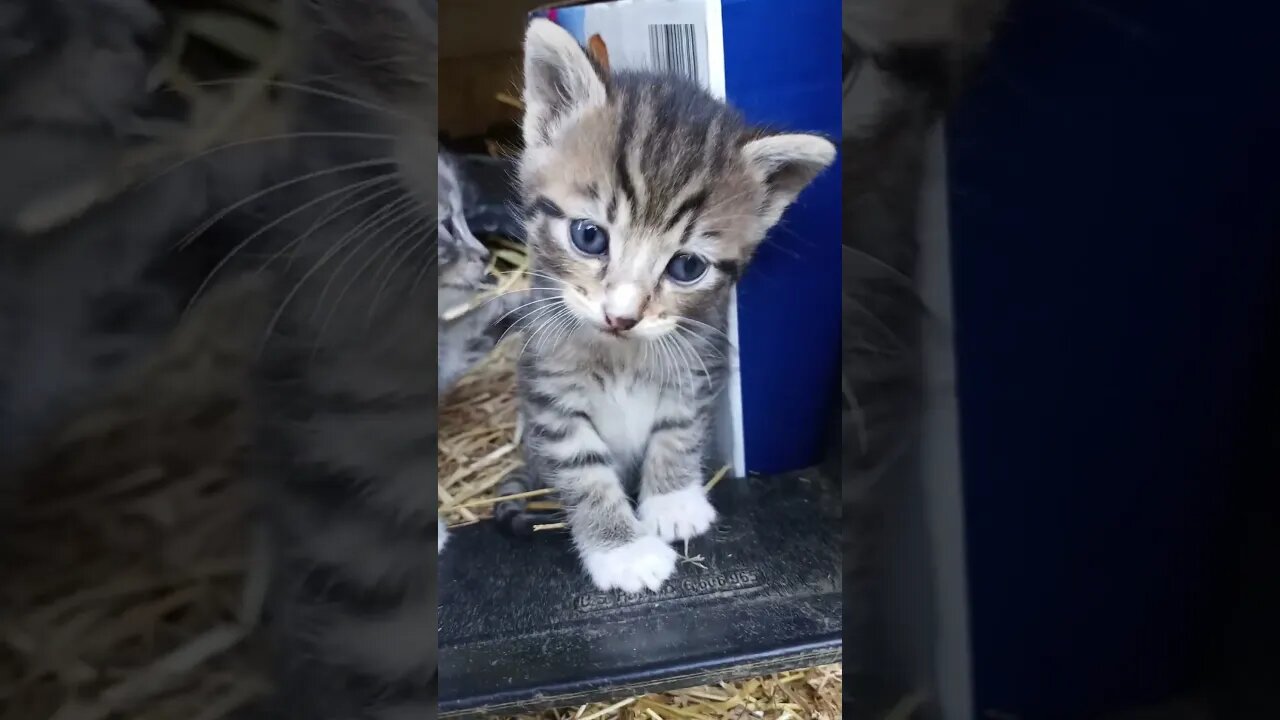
(513, 516)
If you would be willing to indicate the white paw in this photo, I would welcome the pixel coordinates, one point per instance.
(678, 515)
(442, 534)
(642, 563)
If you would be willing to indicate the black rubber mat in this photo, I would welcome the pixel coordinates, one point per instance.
(522, 628)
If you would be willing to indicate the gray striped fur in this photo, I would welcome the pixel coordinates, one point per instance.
(347, 398)
(664, 169)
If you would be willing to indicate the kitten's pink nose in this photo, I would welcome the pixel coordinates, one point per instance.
(620, 324)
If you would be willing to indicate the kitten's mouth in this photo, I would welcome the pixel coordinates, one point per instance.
(616, 333)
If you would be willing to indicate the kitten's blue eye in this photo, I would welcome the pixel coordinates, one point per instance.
(588, 237)
(686, 268)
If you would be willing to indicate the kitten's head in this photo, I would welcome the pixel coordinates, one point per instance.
(647, 196)
(463, 260)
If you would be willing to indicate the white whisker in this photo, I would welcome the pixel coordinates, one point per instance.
(264, 138)
(297, 287)
(680, 340)
(517, 291)
(422, 272)
(569, 331)
(396, 259)
(566, 318)
(670, 372)
(712, 328)
(258, 233)
(391, 215)
(524, 305)
(191, 236)
(706, 342)
(524, 320)
(678, 363)
(331, 215)
(541, 327)
(359, 102)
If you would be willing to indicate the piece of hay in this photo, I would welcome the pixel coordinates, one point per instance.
(612, 708)
(507, 98)
(156, 677)
(715, 479)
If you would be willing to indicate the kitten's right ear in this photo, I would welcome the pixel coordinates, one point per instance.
(560, 80)
(786, 164)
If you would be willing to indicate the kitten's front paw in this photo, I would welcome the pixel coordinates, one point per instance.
(442, 534)
(643, 563)
(678, 515)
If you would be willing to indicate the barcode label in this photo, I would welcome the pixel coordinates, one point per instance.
(674, 49)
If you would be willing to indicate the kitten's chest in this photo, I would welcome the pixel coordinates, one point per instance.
(623, 410)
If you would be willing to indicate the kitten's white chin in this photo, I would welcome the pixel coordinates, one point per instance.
(679, 515)
(612, 339)
(643, 563)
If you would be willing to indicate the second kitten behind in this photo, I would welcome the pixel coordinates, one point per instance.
(465, 340)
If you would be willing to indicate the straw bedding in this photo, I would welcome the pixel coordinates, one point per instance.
(127, 560)
(133, 580)
(812, 694)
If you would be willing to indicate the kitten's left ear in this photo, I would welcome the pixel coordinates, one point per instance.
(559, 80)
(786, 164)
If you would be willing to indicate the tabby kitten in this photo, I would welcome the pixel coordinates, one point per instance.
(467, 339)
(462, 257)
(462, 261)
(647, 199)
